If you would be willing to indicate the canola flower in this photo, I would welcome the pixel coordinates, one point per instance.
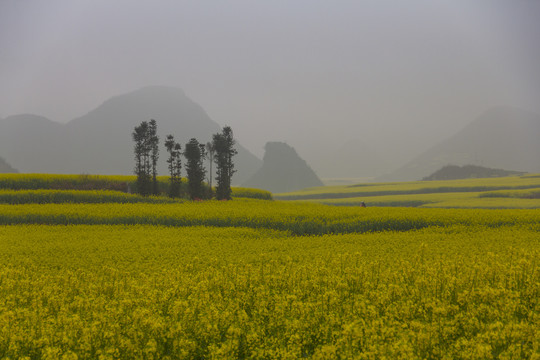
(517, 199)
(515, 192)
(154, 292)
(296, 217)
(42, 188)
(415, 187)
(77, 196)
(60, 181)
(109, 277)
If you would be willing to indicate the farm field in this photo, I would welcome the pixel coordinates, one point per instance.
(516, 192)
(200, 292)
(91, 275)
(43, 188)
(452, 200)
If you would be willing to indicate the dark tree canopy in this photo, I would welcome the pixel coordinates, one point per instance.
(224, 151)
(174, 164)
(153, 144)
(142, 148)
(146, 157)
(194, 154)
(219, 151)
(210, 150)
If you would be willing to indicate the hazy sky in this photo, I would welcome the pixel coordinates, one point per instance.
(313, 73)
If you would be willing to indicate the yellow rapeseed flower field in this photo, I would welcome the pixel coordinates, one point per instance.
(154, 292)
(514, 192)
(77, 196)
(18, 187)
(100, 274)
(295, 217)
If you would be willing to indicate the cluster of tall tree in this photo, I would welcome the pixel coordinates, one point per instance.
(146, 157)
(220, 151)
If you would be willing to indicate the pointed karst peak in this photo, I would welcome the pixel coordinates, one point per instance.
(280, 152)
(283, 170)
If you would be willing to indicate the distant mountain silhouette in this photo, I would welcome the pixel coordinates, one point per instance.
(5, 167)
(454, 172)
(503, 138)
(283, 170)
(32, 143)
(100, 142)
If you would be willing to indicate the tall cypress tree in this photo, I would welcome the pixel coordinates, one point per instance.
(178, 166)
(146, 157)
(223, 144)
(140, 136)
(194, 154)
(175, 164)
(153, 143)
(210, 153)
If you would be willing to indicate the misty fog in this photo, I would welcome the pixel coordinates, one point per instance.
(384, 80)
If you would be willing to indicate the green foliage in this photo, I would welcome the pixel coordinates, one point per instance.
(194, 154)
(140, 136)
(146, 156)
(154, 154)
(175, 165)
(223, 147)
(210, 152)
